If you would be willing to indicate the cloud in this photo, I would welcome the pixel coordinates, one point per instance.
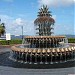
(8, 22)
(28, 26)
(5, 18)
(56, 2)
(60, 29)
(19, 21)
(13, 25)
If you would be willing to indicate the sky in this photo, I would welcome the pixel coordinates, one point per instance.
(18, 13)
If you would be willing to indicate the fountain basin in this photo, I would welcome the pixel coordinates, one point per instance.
(43, 55)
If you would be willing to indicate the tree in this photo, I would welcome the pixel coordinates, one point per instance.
(2, 28)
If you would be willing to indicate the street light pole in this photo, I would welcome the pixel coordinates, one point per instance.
(22, 32)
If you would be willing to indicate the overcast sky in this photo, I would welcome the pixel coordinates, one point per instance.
(15, 13)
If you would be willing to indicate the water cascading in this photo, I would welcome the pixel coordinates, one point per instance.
(44, 48)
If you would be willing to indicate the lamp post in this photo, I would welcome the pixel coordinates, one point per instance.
(22, 32)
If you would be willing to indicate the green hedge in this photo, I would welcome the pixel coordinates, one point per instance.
(5, 42)
(71, 40)
(19, 41)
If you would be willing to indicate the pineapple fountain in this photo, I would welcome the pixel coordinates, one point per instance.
(44, 48)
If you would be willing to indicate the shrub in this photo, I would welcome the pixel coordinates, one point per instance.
(71, 40)
(15, 41)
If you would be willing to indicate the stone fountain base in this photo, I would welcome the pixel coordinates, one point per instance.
(5, 61)
(43, 55)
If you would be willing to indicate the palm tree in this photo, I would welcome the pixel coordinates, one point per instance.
(2, 28)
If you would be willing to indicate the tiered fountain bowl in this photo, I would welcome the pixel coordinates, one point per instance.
(44, 50)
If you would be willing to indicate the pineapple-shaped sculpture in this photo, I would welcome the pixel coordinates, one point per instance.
(44, 23)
